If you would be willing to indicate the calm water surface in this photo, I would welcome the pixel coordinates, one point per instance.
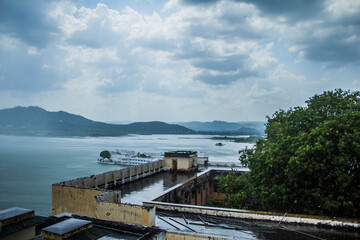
(29, 165)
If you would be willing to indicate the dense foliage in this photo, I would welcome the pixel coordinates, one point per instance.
(105, 154)
(308, 163)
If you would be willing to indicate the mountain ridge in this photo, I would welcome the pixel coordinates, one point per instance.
(245, 128)
(34, 120)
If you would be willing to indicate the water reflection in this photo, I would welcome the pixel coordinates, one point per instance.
(148, 188)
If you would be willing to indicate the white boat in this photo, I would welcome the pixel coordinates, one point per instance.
(130, 158)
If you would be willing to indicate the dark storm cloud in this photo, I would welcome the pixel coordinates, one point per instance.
(335, 42)
(228, 68)
(294, 9)
(28, 21)
(339, 47)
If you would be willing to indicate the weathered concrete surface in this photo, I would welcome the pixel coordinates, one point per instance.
(65, 229)
(198, 190)
(255, 215)
(117, 177)
(186, 236)
(126, 213)
(113, 197)
(180, 160)
(89, 197)
(76, 200)
(14, 215)
(148, 188)
(99, 204)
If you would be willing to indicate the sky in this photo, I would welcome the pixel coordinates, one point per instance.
(176, 60)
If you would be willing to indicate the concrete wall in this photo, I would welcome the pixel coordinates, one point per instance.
(89, 196)
(103, 180)
(126, 213)
(80, 201)
(100, 205)
(113, 197)
(256, 215)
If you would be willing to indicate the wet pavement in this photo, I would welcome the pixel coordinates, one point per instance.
(245, 229)
(148, 188)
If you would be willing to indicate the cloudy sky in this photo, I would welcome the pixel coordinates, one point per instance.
(176, 60)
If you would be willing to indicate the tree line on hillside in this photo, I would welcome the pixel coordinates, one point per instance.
(309, 163)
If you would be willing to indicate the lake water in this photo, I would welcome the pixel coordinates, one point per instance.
(29, 165)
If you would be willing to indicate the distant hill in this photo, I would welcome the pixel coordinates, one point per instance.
(243, 128)
(37, 121)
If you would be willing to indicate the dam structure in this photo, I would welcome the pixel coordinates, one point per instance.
(177, 195)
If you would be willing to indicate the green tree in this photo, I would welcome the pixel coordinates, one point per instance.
(105, 154)
(309, 161)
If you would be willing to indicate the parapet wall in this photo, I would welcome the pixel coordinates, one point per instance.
(76, 200)
(103, 180)
(112, 197)
(126, 213)
(89, 196)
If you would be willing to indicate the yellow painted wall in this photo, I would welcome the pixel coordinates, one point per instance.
(131, 214)
(80, 201)
(183, 163)
(83, 202)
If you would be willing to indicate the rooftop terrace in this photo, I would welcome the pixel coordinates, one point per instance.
(148, 188)
(131, 195)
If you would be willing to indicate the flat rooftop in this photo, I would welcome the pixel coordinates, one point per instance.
(148, 188)
(180, 154)
(14, 215)
(66, 226)
(245, 229)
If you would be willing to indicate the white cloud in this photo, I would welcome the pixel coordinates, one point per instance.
(219, 60)
(33, 51)
(8, 43)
